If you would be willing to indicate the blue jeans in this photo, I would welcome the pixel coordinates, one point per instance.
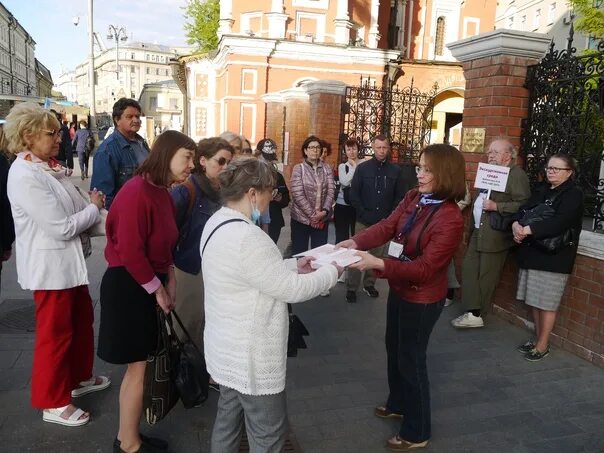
(302, 233)
(408, 329)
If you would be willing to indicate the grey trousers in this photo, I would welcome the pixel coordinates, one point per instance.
(480, 275)
(265, 422)
(353, 276)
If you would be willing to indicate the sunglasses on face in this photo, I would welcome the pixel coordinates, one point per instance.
(222, 161)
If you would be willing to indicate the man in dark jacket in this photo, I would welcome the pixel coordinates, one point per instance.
(65, 155)
(377, 188)
(121, 153)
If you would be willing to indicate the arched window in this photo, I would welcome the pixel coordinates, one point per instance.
(439, 44)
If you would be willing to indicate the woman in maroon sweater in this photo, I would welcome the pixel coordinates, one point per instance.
(423, 232)
(141, 235)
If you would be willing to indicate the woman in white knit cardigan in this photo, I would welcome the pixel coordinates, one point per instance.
(247, 288)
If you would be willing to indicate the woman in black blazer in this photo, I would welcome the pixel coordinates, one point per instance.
(543, 275)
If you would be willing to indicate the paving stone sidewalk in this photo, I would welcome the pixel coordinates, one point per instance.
(485, 396)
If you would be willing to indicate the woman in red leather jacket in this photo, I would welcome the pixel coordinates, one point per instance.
(423, 233)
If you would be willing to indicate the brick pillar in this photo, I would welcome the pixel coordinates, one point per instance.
(326, 97)
(495, 65)
(495, 99)
(296, 125)
(274, 120)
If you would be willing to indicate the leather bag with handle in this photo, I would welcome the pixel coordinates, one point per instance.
(160, 392)
(544, 211)
(190, 375)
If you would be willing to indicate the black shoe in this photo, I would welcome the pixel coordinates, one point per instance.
(526, 347)
(351, 297)
(534, 355)
(371, 291)
(153, 442)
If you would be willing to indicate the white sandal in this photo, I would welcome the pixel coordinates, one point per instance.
(90, 386)
(54, 416)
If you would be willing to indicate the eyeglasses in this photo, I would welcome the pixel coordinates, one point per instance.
(314, 148)
(556, 170)
(53, 134)
(222, 161)
(423, 170)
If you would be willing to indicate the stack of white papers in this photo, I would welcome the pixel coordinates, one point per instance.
(326, 254)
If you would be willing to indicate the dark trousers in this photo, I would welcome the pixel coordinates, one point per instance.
(301, 234)
(408, 329)
(345, 218)
(274, 231)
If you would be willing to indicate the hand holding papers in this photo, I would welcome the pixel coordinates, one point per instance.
(327, 254)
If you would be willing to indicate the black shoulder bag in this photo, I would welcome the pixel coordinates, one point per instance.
(541, 212)
(190, 375)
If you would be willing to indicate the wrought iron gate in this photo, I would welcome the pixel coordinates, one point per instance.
(566, 114)
(404, 115)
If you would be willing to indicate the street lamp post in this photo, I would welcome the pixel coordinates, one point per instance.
(92, 114)
(117, 34)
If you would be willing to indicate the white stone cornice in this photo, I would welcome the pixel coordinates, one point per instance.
(501, 42)
(325, 86)
(272, 97)
(591, 244)
(294, 93)
(301, 51)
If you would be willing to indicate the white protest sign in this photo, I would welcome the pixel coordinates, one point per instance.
(491, 177)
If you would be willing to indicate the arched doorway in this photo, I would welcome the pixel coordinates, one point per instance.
(447, 116)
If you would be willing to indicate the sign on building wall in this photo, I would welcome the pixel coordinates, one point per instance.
(473, 140)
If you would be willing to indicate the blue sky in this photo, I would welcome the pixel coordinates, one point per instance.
(60, 45)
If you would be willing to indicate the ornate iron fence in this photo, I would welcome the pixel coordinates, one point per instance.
(566, 114)
(402, 114)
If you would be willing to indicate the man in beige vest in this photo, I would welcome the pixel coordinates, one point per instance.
(488, 248)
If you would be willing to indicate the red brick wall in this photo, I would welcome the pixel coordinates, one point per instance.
(273, 127)
(297, 124)
(325, 121)
(580, 323)
(495, 97)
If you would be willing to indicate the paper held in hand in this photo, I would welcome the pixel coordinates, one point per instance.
(326, 254)
(491, 177)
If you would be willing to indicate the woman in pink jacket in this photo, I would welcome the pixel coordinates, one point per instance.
(312, 192)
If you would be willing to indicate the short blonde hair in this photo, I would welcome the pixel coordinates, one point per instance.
(27, 118)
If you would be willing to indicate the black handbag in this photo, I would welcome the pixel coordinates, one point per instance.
(501, 222)
(544, 211)
(190, 375)
(159, 390)
(346, 194)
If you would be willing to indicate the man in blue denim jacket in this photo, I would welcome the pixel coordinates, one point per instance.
(121, 153)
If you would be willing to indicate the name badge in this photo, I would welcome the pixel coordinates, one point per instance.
(395, 250)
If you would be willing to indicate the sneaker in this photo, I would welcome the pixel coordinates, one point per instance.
(325, 294)
(371, 291)
(526, 347)
(467, 320)
(534, 355)
(448, 302)
(351, 297)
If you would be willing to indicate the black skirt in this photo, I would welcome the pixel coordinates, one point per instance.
(128, 328)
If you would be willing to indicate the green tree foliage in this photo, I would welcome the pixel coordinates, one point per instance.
(590, 17)
(202, 23)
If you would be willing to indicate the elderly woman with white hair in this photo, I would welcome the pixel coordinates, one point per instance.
(234, 140)
(51, 222)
